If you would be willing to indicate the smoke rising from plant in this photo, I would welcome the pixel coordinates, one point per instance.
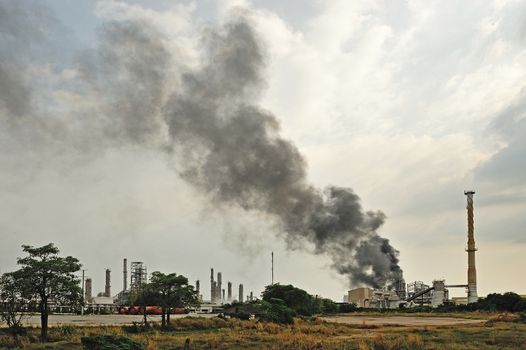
(232, 149)
(208, 119)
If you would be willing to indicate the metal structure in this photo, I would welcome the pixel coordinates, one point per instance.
(124, 274)
(138, 275)
(471, 249)
(107, 286)
(401, 289)
(419, 292)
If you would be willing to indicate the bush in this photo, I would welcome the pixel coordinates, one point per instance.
(110, 342)
(136, 327)
(277, 311)
(347, 308)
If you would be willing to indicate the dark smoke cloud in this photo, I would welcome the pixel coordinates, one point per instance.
(17, 35)
(232, 149)
(128, 74)
(224, 144)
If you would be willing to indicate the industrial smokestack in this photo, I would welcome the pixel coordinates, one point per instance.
(198, 290)
(241, 293)
(219, 287)
(471, 249)
(87, 291)
(212, 286)
(107, 288)
(251, 296)
(124, 274)
(229, 294)
(223, 299)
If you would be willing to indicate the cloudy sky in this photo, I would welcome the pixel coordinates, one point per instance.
(408, 103)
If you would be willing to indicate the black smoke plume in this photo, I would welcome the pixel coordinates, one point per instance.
(208, 119)
(233, 150)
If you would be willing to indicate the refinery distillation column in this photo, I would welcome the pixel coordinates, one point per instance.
(472, 272)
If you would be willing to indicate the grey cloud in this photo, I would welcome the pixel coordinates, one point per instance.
(507, 167)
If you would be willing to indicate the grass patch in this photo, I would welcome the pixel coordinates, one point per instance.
(307, 334)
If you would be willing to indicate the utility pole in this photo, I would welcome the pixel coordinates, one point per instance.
(83, 294)
(272, 255)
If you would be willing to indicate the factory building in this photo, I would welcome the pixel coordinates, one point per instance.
(373, 298)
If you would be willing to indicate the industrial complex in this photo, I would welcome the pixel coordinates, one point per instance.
(418, 293)
(105, 302)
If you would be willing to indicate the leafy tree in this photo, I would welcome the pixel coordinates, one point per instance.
(328, 306)
(13, 307)
(166, 291)
(145, 295)
(275, 310)
(296, 299)
(503, 302)
(172, 291)
(47, 277)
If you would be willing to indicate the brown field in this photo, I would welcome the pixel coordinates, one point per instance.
(497, 332)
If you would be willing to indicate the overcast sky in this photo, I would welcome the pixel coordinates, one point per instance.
(408, 103)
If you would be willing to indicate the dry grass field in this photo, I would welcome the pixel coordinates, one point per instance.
(497, 332)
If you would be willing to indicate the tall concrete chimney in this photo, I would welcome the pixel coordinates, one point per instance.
(198, 290)
(240, 293)
(107, 288)
(471, 249)
(87, 291)
(229, 294)
(219, 287)
(212, 286)
(124, 274)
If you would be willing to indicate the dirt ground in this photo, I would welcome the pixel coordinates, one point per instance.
(401, 320)
(34, 320)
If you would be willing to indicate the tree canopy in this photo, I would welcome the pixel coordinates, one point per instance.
(298, 300)
(167, 291)
(45, 277)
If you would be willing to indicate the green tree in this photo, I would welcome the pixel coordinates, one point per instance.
(171, 291)
(297, 299)
(275, 310)
(47, 277)
(14, 306)
(144, 296)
